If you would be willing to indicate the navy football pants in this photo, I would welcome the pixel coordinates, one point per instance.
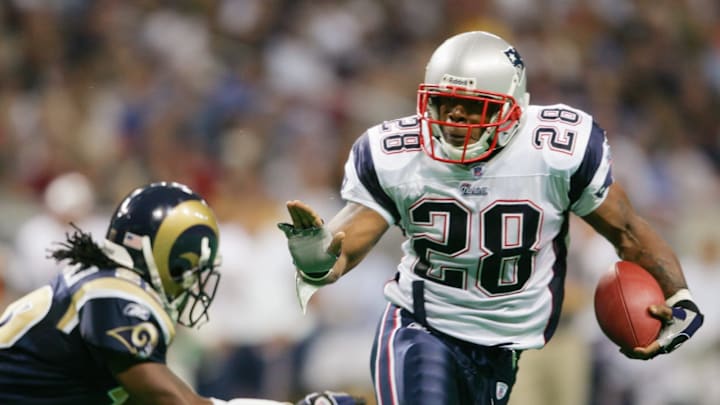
(412, 365)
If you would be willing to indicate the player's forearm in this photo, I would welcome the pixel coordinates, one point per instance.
(635, 240)
(363, 228)
(641, 244)
(349, 261)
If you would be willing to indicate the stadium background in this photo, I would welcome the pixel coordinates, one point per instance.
(253, 102)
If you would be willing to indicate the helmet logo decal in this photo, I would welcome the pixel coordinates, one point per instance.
(132, 240)
(514, 57)
(450, 80)
(188, 222)
(191, 257)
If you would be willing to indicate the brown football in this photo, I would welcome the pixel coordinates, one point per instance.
(622, 298)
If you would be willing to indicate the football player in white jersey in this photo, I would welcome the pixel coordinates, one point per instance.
(482, 184)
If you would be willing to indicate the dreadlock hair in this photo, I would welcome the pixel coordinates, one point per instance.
(79, 248)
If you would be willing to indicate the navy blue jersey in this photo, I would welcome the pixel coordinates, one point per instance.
(53, 341)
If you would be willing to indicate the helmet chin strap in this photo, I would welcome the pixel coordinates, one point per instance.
(120, 255)
(156, 281)
(506, 135)
(117, 253)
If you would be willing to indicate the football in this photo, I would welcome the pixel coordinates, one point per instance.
(622, 297)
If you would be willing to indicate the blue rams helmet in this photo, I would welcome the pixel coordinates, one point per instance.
(169, 236)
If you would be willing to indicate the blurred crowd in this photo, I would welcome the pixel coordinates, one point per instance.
(254, 102)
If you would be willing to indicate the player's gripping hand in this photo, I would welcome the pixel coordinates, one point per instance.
(330, 398)
(314, 250)
(681, 319)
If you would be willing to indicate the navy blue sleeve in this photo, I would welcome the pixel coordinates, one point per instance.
(113, 324)
(365, 168)
(593, 158)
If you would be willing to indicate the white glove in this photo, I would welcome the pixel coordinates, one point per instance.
(686, 320)
(308, 247)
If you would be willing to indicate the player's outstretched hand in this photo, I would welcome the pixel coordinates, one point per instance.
(314, 250)
(330, 398)
(681, 318)
(302, 215)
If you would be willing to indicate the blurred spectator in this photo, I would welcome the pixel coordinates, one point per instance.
(68, 199)
(258, 351)
(347, 316)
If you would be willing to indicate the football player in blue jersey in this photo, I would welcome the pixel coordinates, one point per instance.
(99, 332)
(482, 183)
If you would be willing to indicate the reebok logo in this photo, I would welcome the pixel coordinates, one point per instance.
(450, 80)
(473, 189)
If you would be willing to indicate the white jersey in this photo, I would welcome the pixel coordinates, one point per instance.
(488, 240)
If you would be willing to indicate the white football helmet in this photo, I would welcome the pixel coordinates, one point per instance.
(479, 71)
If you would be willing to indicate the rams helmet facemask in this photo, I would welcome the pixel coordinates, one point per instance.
(169, 235)
(473, 68)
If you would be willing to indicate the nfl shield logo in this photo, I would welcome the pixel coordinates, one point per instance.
(478, 170)
(500, 390)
